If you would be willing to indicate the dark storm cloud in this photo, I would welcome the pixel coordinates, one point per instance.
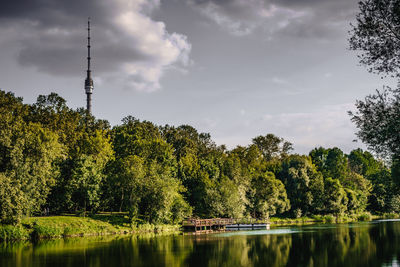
(52, 37)
(52, 12)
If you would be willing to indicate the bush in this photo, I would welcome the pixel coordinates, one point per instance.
(318, 218)
(44, 231)
(11, 233)
(390, 215)
(329, 219)
(366, 216)
(297, 213)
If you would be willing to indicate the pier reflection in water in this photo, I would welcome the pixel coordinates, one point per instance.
(360, 244)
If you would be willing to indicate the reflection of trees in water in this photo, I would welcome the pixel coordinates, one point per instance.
(341, 245)
(270, 250)
(386, 238)
(262, 250)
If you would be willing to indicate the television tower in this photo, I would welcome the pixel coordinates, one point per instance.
(88, 81)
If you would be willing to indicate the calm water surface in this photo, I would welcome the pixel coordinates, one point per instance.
(359, 244)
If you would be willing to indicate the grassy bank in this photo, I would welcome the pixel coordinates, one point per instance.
(362, 217)
(69, 226)
(34, 228)
(322, 219)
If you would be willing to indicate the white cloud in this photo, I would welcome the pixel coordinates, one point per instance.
(208, 124)
(242, 17)
(280, 81)
(128, 45)
(328, 126)
(307, 18)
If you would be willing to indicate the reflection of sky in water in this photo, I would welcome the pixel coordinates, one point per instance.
(389, 220)
(349, 244)
(394, 263)
(299, 229)
(260, 232)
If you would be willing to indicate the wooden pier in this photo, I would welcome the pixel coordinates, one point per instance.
(222, 224)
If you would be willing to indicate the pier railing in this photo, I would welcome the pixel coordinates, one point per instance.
(222, 221)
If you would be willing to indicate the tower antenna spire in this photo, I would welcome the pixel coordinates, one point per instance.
(89, 80)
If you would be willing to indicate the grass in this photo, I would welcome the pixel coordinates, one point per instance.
(390, 216)
(288, 221)
(13, 233)
(34, 228)
(329, 218)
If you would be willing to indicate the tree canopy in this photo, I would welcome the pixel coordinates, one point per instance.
(59, 160)
(376, 34)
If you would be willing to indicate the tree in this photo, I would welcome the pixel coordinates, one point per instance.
(358, 190)
(142, 178)
(364, 163)
(336, 165)
(272, 146)
(29, 171)
(267, 196)
(303, 183)
(348, 170)
(377, 34)
(335, 197)
(13, 201)
(378, 121)
(223, 199)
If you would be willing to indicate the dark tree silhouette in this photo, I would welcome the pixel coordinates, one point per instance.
(376, 34)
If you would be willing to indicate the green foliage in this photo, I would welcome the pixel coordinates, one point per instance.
(335, 197)
(143, 174)
(83, 187)
(223, 200)
(378, 121)
(267, 196)
(303, 183)
(12, 202)
(375, 34)
(349, 171)
(28, 161)
(54, 160)
(364, 217)
(13, 233)
(394, 204)
(272, 146)
(329, 219)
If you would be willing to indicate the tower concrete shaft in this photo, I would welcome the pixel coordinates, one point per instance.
(89, 80)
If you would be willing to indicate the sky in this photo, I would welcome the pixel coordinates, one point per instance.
(233, 68)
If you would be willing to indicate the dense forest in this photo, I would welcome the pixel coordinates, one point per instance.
(57, 160)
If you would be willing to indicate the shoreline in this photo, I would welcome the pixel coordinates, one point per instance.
(68, 226)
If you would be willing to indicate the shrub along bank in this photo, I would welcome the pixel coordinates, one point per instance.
(35, 228)
(71, 226)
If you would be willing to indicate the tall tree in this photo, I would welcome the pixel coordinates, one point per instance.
(267, 196)
(27, 162)
(376, 34)
(378, 121)
(272, 146)
(143, 175)
(304, 184)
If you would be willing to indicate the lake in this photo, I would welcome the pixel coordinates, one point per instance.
(357, 244)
